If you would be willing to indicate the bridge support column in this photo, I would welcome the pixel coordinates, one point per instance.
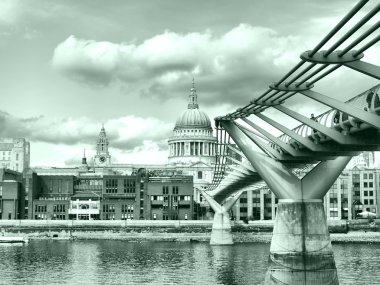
(301, 251)
(221, 227)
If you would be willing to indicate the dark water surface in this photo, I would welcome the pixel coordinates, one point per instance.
(120, 262)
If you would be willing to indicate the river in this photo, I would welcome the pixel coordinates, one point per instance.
(120, 262)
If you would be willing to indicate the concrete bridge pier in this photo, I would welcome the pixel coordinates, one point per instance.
(301, 251)
(221, 227)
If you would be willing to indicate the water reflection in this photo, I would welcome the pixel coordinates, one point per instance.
(119, 262)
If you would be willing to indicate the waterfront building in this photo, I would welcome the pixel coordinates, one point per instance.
(356, 190)
(170, 198)
(12, 195)
(92, 196)
(14, 154)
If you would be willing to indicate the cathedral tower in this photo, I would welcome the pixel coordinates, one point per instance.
(102, 157)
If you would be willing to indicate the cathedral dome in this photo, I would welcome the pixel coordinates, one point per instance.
(192, 139)
(193, 118)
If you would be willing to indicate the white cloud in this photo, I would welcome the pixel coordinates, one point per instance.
(231, 63)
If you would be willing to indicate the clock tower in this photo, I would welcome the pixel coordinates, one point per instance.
(102, 157)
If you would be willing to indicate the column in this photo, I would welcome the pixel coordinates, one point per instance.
(339, 193)
(249, 204)
(273, 199)
(262, 205)
(327, 197)
(237, 211)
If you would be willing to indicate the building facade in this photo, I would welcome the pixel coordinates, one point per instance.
(12, 195)
(14, 154)
(91, 196)
(356, 190)
(170, 198)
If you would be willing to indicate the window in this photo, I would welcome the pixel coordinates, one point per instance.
(109, 208)
(370, 193)
(127, 212)
(365, 184)
(111, 185)
(370, 176)
(40, 208)
(165, 190)
(365, 193)
(243, 200)
(129, 186)
(59, 208)
(175, 190)
(365, 176)
(199, 174)
(370, 184)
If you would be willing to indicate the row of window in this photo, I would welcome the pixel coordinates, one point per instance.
(58, 185)
(166, 198)
(112, 185)
(59, 208)
(127, 208)
(40, 208)
(165, 190)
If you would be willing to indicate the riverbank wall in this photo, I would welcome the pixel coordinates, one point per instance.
(179, 230)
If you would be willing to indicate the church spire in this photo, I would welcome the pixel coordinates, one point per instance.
(84, 160)
(193, 98)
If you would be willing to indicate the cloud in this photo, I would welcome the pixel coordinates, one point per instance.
(233, 67)
(229, 66)
(124, 133)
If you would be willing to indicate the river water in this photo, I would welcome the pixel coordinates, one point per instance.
(120, 262)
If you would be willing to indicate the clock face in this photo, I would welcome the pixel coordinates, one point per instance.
(102, 159)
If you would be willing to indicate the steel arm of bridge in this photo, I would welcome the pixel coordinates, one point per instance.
(364, 67)
(226, 206)
(279, 154)
(264, 147)
(361, 115)
(334, 135)
(306, 142)
(287, 147)
(280, 178)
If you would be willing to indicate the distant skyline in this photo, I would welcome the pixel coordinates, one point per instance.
(69, 66)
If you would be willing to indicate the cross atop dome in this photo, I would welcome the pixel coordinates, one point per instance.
(193, 98)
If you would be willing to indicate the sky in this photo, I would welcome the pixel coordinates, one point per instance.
(67, 67)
